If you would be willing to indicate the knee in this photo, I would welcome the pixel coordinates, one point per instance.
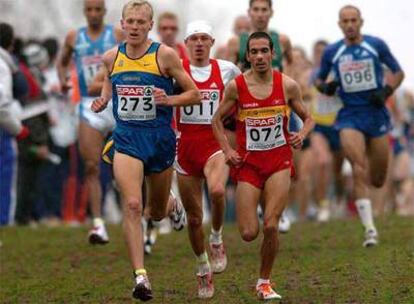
(248, 234)
(133, 206)
(378, 180)
(194, 220)
(359, 170)
(270, 226)
(91, 168)
(217, 192)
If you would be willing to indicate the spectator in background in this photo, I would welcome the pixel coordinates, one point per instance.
(10, 125)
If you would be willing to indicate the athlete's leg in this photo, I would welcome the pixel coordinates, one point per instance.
(90, 144)
(190, 188)
(247, 200)
(354, 147)
(275, 195)
(323, 160)
(378, 156)
(129, 175)
(216, 172)
(159, 185)
(305, 165)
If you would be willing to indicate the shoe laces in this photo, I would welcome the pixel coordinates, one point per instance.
(265, 288)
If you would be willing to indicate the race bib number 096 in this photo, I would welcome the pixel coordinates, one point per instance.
(202, 113)
(357, 76)
(136, 102)
(264, 133)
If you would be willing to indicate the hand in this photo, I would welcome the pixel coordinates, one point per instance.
(42, 152)
(65, 86)
(24, 133)
(379, 97)
(160, 97)
(233, 158)
(99, 104)
(328, 88)
(296, 140)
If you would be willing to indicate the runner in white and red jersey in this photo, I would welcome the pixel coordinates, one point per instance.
(199, 156)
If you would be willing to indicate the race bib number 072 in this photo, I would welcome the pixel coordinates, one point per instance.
(136, 102)
(264, 133)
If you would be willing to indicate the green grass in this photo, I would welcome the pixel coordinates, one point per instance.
(316, 264)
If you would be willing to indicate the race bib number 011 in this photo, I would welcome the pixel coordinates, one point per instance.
(136, 102)
(264, 133)
(357, 76)
(90, 67)
(203, 113)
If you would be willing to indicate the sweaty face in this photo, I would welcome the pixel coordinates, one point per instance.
(136, 24)
(260, 14)
(94, 11)
(260, 55)
(350, 23)
(168, 30)
(199, 45)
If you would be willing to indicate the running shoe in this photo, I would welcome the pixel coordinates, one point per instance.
(265, 292)
(218, 257)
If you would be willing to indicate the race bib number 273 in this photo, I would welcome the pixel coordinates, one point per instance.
(136, 102)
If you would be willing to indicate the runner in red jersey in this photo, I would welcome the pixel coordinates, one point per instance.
(199, 156)
(262, 164)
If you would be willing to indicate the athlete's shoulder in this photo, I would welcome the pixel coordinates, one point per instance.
(333, 48)
(118, 33)
(226, 65)
(71, 37)
(110, 55)
(375, 42)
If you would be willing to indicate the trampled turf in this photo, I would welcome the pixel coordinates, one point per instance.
(317, 264)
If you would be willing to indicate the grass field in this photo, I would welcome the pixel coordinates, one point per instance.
(316, 264)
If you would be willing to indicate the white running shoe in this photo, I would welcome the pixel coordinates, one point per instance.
(142, 289)
(177, 216)
(371, 238)
(323, 214)
(284, 223)
(218, 257)
(205, 285)
(98, 235)
(265, 292)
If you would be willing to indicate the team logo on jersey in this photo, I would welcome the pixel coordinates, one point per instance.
(212, 95)
(346, 58)
(134, 90)
(120, 63)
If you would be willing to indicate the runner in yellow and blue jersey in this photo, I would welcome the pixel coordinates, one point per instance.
(139, 76)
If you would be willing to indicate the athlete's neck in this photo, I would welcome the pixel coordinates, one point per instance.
(358, 39)
(137, 50)
(200, 62)
(95, 30)
(262, 77)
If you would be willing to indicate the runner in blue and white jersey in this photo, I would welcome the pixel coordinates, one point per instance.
(364, 121)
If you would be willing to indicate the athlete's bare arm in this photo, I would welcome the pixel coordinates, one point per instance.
(64, 60)
(108, 59)
(233, 49)
(170, 65)
(229, 101)
(294, 97)
(95, 87)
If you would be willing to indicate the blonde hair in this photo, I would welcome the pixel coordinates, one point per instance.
(137, 3)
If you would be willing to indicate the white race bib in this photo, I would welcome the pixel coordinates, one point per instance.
(136, 102)
(203, 113)
(357, 76)
(264, 133)
(326, 105)
(90, 67)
